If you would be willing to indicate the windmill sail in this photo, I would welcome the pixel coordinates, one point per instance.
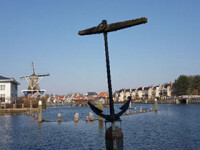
(33, 82)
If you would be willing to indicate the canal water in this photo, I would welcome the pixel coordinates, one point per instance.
(173, 127)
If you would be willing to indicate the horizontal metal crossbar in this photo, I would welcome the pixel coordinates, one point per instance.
(113, 27)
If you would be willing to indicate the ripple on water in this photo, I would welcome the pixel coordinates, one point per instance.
(173, 127)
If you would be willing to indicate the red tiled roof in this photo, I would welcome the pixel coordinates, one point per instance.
(57, 97)
(103, 94)
(79, 97)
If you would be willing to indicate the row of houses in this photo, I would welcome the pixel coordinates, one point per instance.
(9, 90)
(80, 98)
(150, 92)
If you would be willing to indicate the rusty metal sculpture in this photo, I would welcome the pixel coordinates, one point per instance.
(104, 28)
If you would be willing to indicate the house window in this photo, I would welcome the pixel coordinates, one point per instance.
(2, 97)
(2, 87)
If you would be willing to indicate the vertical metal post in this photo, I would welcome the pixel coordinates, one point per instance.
(59, 117)
(23, 106)
(40, 111)
(109, 76)
(130, 105)
(156, 105)
(76, 117)
(100, 106)
(31, 104)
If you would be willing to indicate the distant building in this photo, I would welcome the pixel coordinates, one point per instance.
(8, 89)
(104, 97)
(79, 98)
(91, 95)
(123, 94)
(166, 90)
(68, 97)
(58, 99)
(163, 91)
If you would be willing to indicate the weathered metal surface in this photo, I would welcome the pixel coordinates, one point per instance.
(104, 28)
(113, 27)
(112, 110)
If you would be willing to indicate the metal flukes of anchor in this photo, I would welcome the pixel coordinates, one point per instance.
(98, 111)
(123, 108)
(109, 118)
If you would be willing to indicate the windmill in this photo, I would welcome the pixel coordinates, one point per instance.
(33, 83)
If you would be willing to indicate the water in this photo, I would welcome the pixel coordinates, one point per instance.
(173, 127)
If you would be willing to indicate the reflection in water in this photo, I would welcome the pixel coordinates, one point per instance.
(174, 127)
(114, 138)
(39, 125)
(8, 128)
(101, 130)
(101, 125)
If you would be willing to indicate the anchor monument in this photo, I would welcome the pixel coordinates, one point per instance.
(104, 28)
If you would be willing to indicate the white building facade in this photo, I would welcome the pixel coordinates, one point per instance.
(151, 92)
(8, 89)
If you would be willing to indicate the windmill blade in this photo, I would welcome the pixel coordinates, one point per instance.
(43, 75)
(22, 77)
(33, 65)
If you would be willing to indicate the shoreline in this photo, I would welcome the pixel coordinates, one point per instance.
(170, 101)
(17, 111)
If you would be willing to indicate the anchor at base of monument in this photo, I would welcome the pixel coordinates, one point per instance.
(113, 117)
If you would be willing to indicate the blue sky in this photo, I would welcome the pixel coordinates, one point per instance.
(46, 32)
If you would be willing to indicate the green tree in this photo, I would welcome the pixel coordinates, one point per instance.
(181, 85)
(196, 84)
(191, 85)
